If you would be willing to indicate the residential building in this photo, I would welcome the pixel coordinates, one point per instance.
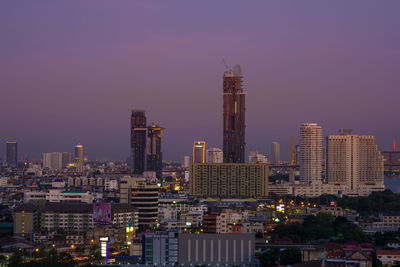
(214, 155)
(255, 157)
(56, 160)
(310, 153)
(233, 116)
(275, 153)
(229, 180)
(353, 161)
(12, 154)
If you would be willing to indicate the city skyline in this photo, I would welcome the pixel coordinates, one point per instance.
(338, 73)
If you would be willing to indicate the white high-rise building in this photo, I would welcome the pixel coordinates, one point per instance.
(310, 153)
(354, 161)
(275, 153)
(214, 155)
(56, 160)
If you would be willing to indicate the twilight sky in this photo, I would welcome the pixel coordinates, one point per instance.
(71, 71)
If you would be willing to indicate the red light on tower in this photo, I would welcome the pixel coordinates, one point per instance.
(394, 145)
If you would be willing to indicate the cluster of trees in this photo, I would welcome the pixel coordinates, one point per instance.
(385, 201)
(320, 226)
(274, 256)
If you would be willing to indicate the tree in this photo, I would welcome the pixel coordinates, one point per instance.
(351, 232)
(290, 256)
(66, 258)
(16, 259)
(52, 258)
(269, 258)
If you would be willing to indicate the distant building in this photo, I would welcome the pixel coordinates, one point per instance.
(353, 160)
(199, 152)
(154, 152)
(214, 155)
(255, 157)
(186, 161)
(142, 195)
(391, 160)
(138, 142)
(56, 160)
(229, 180)
(217, 249)
(12, 154)
(310, 153)
(233, 116)
(79, 158)
(275, 153)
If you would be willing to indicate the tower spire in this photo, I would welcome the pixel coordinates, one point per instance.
(394, 145)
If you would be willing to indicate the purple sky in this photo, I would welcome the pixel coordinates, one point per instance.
(71, 71)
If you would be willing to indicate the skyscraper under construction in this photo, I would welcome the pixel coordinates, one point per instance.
(138, 142)
(234, 116)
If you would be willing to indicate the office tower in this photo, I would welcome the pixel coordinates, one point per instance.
(353, 160)
(12, 154)
(186, 161)
(199, 151)
(275, 152)
(79, 158)
(226, 180)
(142, 195)
(154, 153)
(56, 160)
(297, 154)
(310, 153)
(214, 155)
(138, 142)
(255, 157)
(234, 116)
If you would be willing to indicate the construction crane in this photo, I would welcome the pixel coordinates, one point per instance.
(226, 65)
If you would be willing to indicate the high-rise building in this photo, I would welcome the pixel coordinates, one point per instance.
(310, 153)
(255, 157)
(12, 154)
(353, 160)
(214, 155)
(138, 142)
(297, 154)
(227, 180)
(154, 152)
(186, 161)
(275, 153)
(234, 116)
(79, 158)
(199, 152)
(56, 160)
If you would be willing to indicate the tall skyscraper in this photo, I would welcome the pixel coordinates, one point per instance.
(12, 154)
(234, 116)
(138, 142)
(275, 153)
(56, 160)
(154, 152)
(310, 153)
(214, 155)
(353, 160)
(199, 152)
(79, 158)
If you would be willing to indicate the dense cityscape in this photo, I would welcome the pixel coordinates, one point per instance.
(333, 201)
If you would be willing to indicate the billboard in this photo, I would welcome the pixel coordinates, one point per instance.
(102, 212)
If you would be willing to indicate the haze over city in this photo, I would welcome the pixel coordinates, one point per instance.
(71, 71)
